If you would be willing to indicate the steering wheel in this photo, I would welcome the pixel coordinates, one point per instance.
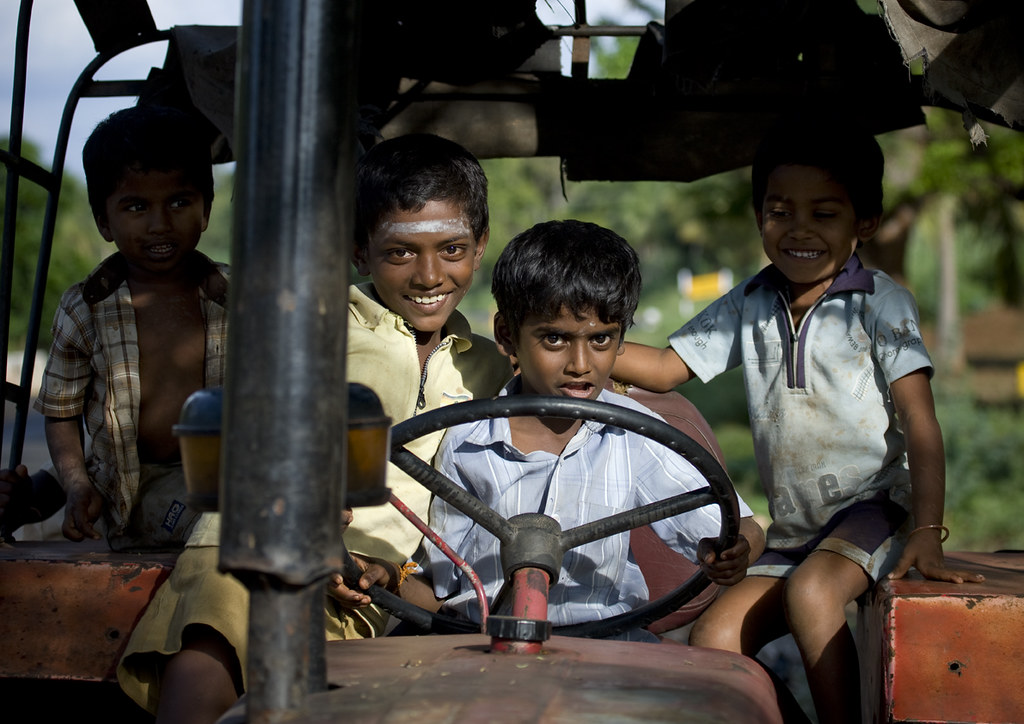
(719, 491)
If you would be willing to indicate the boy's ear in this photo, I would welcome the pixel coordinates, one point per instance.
(481, 247)
(866, 228)
(503, 337)
(359, 258)
(759, 215)
(103, 225)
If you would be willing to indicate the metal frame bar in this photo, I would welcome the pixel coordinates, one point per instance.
(19, 167)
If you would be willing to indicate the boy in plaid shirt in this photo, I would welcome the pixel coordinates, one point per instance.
(143, 331)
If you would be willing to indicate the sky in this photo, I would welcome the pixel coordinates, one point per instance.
(60, 47)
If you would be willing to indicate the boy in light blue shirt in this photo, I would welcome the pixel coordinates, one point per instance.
(841, 410)
(566, 292)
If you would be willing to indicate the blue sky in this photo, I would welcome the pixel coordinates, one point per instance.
(59, 47)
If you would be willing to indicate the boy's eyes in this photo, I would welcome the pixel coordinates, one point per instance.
(817, 213)
(181, 202)
(598, 340)
(604, 341)
(452, 252)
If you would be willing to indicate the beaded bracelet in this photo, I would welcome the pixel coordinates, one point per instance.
(405, 571)
(934, 526)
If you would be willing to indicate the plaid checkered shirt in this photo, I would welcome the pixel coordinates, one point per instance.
(93, 369)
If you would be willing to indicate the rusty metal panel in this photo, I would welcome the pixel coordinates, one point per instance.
(66, 609)
(457, 678)
(941, 652)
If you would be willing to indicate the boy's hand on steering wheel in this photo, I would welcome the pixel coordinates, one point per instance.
(727, 567)
(374, 571)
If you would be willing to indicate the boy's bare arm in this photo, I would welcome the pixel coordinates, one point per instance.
(658, 370)
(84, 502)
(418, 591)
(754, 533)
(915, 406)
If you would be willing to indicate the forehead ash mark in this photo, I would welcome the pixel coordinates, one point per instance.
(429, 226)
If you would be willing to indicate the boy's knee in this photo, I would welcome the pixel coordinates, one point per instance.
(715, 632)
(207, 649)
(702, 635)
(812, 589)
(198, 684)
(809, 596)
(801, 589)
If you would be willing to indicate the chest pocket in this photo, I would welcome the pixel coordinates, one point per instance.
(763, 354)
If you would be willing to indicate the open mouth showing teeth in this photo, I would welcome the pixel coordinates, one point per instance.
(579, 388)
(429, 300)
(161, 248)
(804, 253)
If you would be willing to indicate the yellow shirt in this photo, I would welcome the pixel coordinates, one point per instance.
(382, 355)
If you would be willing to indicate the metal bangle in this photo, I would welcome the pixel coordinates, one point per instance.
(934, 526)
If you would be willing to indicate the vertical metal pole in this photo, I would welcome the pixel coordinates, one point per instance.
(11, 217)
(285, 393)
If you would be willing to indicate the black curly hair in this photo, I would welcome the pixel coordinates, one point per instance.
(146, 138)
(572, 264)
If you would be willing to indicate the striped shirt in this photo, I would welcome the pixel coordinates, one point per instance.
(602, 470)
(93, 370)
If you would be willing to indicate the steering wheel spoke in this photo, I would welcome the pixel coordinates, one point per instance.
(644, 515)
(439, 484)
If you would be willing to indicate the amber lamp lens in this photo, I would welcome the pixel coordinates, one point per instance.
(368, 447)
(200, 457)
(198, 433)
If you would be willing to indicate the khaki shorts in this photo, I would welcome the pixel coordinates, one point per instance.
(197, 594)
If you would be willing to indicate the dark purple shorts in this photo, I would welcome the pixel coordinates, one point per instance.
(865, 532)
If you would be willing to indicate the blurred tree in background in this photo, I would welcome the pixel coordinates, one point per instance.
(77, 248)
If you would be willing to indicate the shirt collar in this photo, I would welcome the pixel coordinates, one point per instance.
(371, 313)
(497, 429)
(113, 272)
(851, 278)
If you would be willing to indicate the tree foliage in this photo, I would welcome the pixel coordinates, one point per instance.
(77, 247)
(925, 165)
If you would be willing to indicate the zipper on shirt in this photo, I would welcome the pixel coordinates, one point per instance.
(795, 376)
(421, 398)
